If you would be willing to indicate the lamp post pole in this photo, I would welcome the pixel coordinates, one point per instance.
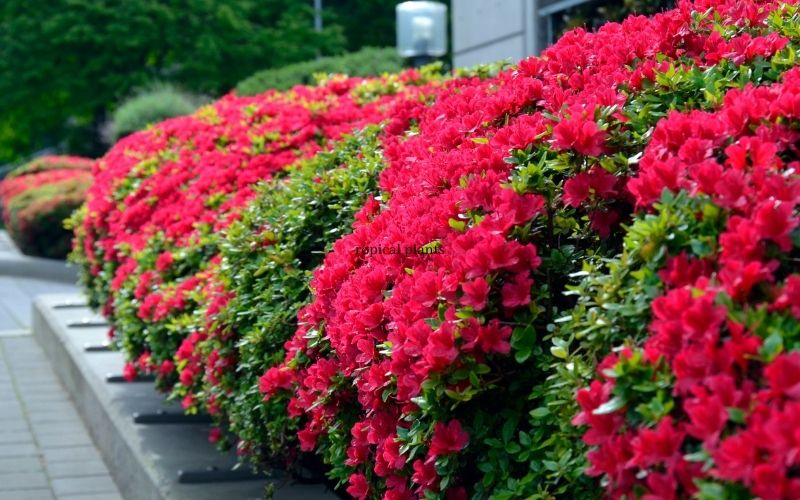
(317, 15)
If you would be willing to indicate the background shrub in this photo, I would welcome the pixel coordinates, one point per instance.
(52, 162)
(155, 104)
(35, 217)
(369, 61)
(35, 198)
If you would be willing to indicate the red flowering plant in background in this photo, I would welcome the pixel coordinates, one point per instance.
(36, 198)
(412, 368)
(707, 403)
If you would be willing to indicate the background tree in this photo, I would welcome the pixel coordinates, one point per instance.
(64, 63)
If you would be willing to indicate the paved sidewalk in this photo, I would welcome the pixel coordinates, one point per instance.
(45, 450)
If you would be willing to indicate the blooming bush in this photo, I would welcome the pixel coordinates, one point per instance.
(52, 162)
(622, 208)
(261, 282)
(37, 197)
(707, 402)
(148, 235)
(510, 184)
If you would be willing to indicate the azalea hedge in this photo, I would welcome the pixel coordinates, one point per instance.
(38, 197)
(577, 276)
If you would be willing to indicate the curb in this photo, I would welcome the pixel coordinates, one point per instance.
(142, 459)
(34, 267)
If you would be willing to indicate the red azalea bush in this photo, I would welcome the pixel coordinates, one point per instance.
(708, 401)
(412, 371)
(149, 230)
(37, 197)
(52, 162)
(447, 336)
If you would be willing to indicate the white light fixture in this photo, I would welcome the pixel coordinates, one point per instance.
(421, 30)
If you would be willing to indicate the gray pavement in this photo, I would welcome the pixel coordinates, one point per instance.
(45, 449)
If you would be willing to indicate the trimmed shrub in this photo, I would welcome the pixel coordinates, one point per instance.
(624, 208)
(149, 232)
(704, 402)
(37, 197)
(437, 372)
(52, 162)
(151, 106)
(261, 281)
(35, 218)
(369, 61)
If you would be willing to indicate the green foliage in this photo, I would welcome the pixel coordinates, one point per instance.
(267, 260)
(368, 61)
(153, 105)
(36, 217)
(62, 66)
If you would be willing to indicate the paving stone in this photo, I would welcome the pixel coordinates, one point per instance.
(61, 440)
(77, 469)
(92, 496)
(18, 450)
(72, 453)
(26, 495)
(62, 427)
(88, 484)
(21, 464)
(18, 436)
(22, 481)
(45, 416)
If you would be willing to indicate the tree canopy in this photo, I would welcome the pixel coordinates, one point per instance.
(63, 63)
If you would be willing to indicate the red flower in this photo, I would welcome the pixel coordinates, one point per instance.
(358, 486)
(447, 439)
(424, 475)
(129, 372)
(708, 417)
(783, 375)
(440, 351)
(476, 292)
(517, 293)
(308, 439)
(494, 338)
(214, 435)
(576, 190)
(582, 135)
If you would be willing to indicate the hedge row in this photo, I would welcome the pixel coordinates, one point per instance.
(574, 277)
(368, 61)
(36, 199)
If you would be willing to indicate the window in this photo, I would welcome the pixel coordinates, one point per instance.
(559, 16)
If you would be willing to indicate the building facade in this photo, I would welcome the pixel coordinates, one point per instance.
(489, 30)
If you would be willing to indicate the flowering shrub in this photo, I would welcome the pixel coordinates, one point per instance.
(706, 401)
(266, 259)
(37, 197)
(51, 162)
(632, 187)
(412, 370)
(148, 234)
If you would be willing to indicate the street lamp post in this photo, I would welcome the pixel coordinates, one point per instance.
(421, 31)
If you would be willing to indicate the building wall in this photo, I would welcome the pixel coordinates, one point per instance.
(490, 30)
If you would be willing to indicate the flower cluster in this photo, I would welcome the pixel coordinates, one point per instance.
(36, 198)
(709, 400)
(161, 196)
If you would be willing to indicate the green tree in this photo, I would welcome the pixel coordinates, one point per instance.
(64, 62)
